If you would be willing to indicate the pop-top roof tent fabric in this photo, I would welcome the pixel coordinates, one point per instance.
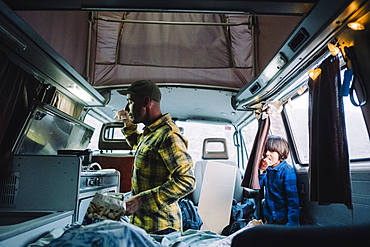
(203, 55)
(172, 53)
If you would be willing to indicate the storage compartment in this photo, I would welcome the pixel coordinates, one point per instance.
(52, 183)
(48, 130)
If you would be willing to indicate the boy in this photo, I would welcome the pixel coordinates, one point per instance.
(281, 204)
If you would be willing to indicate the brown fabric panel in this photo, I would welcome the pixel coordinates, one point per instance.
(271, 32)
(251, 176)
(108, 75)
(241, 42)
(123, 164)
(174, 45)
(65, 31)
(153, 51)
(329, 159)
(108, 35)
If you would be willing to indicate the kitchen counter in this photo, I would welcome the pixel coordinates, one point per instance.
(18, 228)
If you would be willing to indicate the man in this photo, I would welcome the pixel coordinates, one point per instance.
(162, 171)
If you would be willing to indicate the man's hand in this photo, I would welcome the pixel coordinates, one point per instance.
(133, 204)
(123, 116)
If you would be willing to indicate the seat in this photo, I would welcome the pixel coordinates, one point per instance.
(221, 156)
(217, 178)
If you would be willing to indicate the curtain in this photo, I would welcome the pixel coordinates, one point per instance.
(65, 104)
(329, 159)
(17, 90)
(251, 178)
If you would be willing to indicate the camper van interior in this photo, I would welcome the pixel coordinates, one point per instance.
(230, 74)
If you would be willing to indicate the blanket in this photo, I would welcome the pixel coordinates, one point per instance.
(119, 233)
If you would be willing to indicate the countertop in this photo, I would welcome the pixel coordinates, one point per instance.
(30, 223)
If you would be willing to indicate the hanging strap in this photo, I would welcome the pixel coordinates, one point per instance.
(357, 83)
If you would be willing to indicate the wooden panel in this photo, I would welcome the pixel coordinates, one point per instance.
(123, 164)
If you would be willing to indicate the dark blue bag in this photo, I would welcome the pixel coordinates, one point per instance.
(241, 214)
(190, 217)
(241, 210)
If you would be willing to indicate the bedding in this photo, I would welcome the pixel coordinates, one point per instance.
(119, 233)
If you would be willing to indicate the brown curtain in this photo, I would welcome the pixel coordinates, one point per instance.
(65, 104)
(17, 90)
(329, 160)
(251, 179)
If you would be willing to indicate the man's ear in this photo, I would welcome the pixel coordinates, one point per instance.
(146, 101)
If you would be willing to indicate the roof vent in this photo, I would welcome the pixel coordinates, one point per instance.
(299, 39)
(255, 87)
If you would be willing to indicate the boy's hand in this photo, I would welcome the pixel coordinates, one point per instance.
(264, 164)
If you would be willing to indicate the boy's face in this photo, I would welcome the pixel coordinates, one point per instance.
(272, 158)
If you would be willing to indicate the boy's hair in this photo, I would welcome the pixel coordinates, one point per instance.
(277, 144)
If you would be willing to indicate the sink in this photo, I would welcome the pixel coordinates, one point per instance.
(13, 217)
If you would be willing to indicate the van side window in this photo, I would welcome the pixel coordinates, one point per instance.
(250, 130)
(297, 116)
(249, 133)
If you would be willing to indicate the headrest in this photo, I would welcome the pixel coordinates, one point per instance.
(214, 148)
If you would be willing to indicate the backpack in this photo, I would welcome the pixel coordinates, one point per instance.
(241, 214)
(241, 210)
(190, 217)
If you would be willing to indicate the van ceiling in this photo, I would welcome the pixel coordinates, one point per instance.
(227, 57)
(285, 7)
(200, 55)
(235, 56)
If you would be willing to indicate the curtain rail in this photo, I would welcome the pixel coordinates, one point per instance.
(173, 23)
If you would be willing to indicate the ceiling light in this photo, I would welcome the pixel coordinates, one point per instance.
(314, 73)
(82, 94)
(334, 50)
(356, 26)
